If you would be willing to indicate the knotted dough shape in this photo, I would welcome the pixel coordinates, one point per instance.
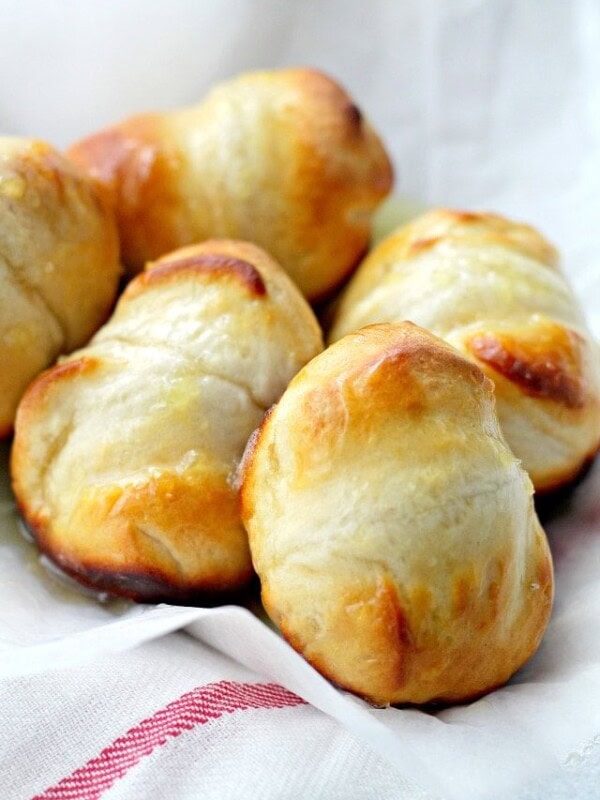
(493, 289)
(392, 528)
(284, 159)
(125, 453)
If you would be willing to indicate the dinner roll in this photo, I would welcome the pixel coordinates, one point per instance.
(284, 159)
(391, 527)
(125, 452)
(59, 265)
(493, 289)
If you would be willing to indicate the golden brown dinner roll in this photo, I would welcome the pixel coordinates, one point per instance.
(59, 264)
(493, 289)
(124, 453)
(391, 527)
(283, 159)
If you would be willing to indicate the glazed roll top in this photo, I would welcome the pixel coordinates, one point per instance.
(125, 452)
(59, 264)
(284, 159)
(392, 528)
(493, 289)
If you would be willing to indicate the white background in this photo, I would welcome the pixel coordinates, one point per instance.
(483, 103)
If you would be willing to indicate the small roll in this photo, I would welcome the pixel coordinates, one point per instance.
(284, 159)
(125, 452)
(59, 265)
(391, 527)
(493, 289)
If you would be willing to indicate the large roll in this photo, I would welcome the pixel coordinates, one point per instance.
(284, 159)
(392, 528)
(125, 453)
(493, 289)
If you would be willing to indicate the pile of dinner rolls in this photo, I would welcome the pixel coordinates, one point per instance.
(197, 432)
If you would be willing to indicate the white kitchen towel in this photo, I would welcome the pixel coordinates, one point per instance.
(176, 720)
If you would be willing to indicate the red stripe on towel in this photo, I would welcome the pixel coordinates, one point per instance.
(193, 708)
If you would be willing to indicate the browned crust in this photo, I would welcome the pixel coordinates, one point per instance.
(7, 431)
(104, 156)
(394, 372)
(210, 263)
(341, 173)
(354, 115)
(420, 245)
(420, 350)
(545, 364)
(377, 610)
(469, 216)
(144, 585)
(336, 96)
(465, 227)
(518, 235)
(135, 169)
(122, 160)
(381, 629)
(246, 465)
(121, 566)
(333, 98)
